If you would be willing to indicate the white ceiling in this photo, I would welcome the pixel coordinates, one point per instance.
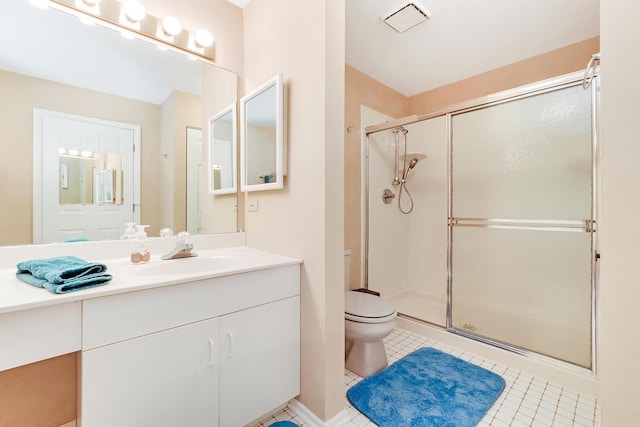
(462, 39)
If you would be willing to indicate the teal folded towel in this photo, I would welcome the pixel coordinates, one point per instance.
(62, 274)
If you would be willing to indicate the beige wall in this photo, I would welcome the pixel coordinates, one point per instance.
(360, 89)
(20, 94)
(305, 41)
(620, 239)
(545, 66)
(220, 213)
(179, 111)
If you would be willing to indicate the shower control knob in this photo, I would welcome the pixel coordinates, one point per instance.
(387, 196)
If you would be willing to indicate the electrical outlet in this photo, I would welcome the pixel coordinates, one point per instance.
(253, 206)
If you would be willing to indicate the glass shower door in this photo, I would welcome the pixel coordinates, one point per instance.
(521, 224)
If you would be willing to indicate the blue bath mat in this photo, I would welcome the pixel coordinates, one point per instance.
(427, 388)
(283, 424)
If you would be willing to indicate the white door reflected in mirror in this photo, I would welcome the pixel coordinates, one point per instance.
(222, 152)
(262, 137)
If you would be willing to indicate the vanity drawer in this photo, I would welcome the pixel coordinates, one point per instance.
(35, 334)
(120, 317)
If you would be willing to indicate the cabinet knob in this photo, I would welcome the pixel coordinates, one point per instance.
(230, 342)
(211, 352)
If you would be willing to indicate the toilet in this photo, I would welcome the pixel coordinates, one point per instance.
(368, 320)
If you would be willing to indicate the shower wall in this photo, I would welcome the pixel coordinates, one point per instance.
(407, 254)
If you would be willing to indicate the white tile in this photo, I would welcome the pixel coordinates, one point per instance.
(521, 420)
(561, 421)
(579, 421)
(526, 401)
(544, 412)
(530, 413)
(543, 419)
(529, 405)
(499, 423)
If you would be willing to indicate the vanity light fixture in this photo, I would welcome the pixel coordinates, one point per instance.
(91, 6)
(130, 18)
(171, 27)
(203, 39)
(133, 11)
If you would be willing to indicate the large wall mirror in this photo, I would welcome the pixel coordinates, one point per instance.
(56, 63)
(262, 145)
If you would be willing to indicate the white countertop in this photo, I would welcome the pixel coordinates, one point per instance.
(16, 295)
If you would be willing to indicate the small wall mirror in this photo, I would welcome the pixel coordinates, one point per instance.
(262, 160)
(222, 152)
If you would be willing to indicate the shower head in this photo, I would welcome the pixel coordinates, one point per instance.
(412, 164)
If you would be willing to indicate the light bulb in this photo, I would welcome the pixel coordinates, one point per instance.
(86, 154)
(61, 150)
(203, 38)
(134, 10)
(171, 26)
(91, 3)
(73, 152)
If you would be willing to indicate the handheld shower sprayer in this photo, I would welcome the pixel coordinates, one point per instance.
(403, 164)
(412, 164)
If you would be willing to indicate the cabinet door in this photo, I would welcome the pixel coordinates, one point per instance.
(169, 378)
(260, 360)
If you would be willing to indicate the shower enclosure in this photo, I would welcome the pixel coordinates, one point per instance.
(500, 245)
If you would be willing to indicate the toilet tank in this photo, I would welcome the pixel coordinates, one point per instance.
(347, 265)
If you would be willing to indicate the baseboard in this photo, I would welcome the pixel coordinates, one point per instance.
(69, 424)
(312, 420)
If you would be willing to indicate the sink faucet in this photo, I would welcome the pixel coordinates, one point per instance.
(182, 249)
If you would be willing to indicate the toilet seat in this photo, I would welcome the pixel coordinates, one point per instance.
(366, 308)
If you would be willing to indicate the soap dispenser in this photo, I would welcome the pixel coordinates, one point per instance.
(140, 252)
(129, 231)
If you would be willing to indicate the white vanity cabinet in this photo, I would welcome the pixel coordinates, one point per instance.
(169, 378)
(214, 352)
(259, 362)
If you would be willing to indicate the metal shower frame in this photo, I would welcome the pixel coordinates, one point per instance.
(544, 86)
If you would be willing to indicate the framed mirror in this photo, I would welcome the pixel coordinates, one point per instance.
(222, 152)
(262, 159)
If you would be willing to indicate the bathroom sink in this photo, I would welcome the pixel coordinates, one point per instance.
(189, 265)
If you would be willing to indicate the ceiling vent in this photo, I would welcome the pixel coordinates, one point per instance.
(407, 17)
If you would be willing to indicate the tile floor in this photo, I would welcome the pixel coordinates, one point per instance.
(527, 400)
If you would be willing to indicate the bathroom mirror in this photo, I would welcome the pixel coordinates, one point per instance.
(262, 159)
(90, 178)
(222, 152)
(57, 63)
